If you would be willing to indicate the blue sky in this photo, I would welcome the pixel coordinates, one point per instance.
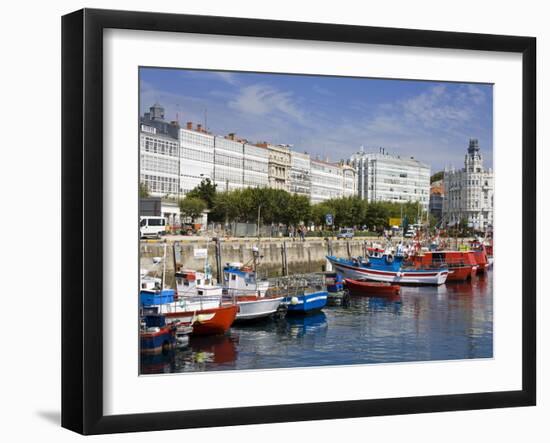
(331, 116)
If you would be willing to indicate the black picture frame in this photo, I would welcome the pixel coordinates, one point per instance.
(82, 188)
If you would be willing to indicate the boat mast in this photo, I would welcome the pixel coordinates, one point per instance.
(207, 275)
(163, 266)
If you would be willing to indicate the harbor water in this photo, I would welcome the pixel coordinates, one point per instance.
(424, 323)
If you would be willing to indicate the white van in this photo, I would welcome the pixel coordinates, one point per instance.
(151, 226)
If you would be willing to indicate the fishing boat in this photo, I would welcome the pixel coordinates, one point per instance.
(155, 335)
(388, 268)
(334, 282)
(490, 257)
(242, 286)
(462, 264)
(154, 329)
(199, 303)
(480, 254)
(370, 288)
(302, 294)
(152, 294)
(375, 251)
(335, 288)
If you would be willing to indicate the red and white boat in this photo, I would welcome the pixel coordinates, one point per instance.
(388, 268)
(480, 253)
(199, 303)
(371, 288)
(490, 257)
(462, 264)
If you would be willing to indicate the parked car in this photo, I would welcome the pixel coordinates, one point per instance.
(345, 233)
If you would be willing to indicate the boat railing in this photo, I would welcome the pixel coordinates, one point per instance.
(296, 284)
(187, 300)
(450, 262)
(236, 292)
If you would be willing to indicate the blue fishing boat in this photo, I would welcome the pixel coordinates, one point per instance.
(304, 294)
(307, 302)
(334, 282)
(155, 335)
(152, 289)
(335, 288)
(153, 297)
(388, 268)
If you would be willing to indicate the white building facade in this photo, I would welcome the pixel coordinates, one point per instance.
(256, 166)
(326, 181)
(174, 160)
(228, 174)
(300, 174)
(159, 162)
(279, 166)
(230, 163)
(469, 192)
(385, 177)
(349, 180)
(196, 158)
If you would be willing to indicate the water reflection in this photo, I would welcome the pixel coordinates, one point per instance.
(453, 321)
(301, 325)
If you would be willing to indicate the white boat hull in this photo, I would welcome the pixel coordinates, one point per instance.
(262, 307)
(428, 277)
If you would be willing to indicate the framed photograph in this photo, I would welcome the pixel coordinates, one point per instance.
(269, 221)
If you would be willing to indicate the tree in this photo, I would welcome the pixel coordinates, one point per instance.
(143, 190)
(206, 191)
(437, 176)
(318, 213)
(377, 216)
(299, 210)
(192, 207)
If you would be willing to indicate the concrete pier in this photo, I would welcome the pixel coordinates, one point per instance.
(301, 256)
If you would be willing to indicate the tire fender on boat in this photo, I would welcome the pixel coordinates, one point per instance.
(294, 301)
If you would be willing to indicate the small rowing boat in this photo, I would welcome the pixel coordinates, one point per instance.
(376, 289)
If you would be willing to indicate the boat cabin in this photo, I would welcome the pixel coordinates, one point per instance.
(192, 283)
(451, 258)
(239, 278)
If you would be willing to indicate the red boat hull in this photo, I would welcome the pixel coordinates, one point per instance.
(371, 288)
(462, 264)
(208, 321)
(461, 273)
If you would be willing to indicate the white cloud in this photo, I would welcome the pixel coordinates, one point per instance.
(433, 125)
(435, 108)
(476, 94)
(227, 77)
(259, 99)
